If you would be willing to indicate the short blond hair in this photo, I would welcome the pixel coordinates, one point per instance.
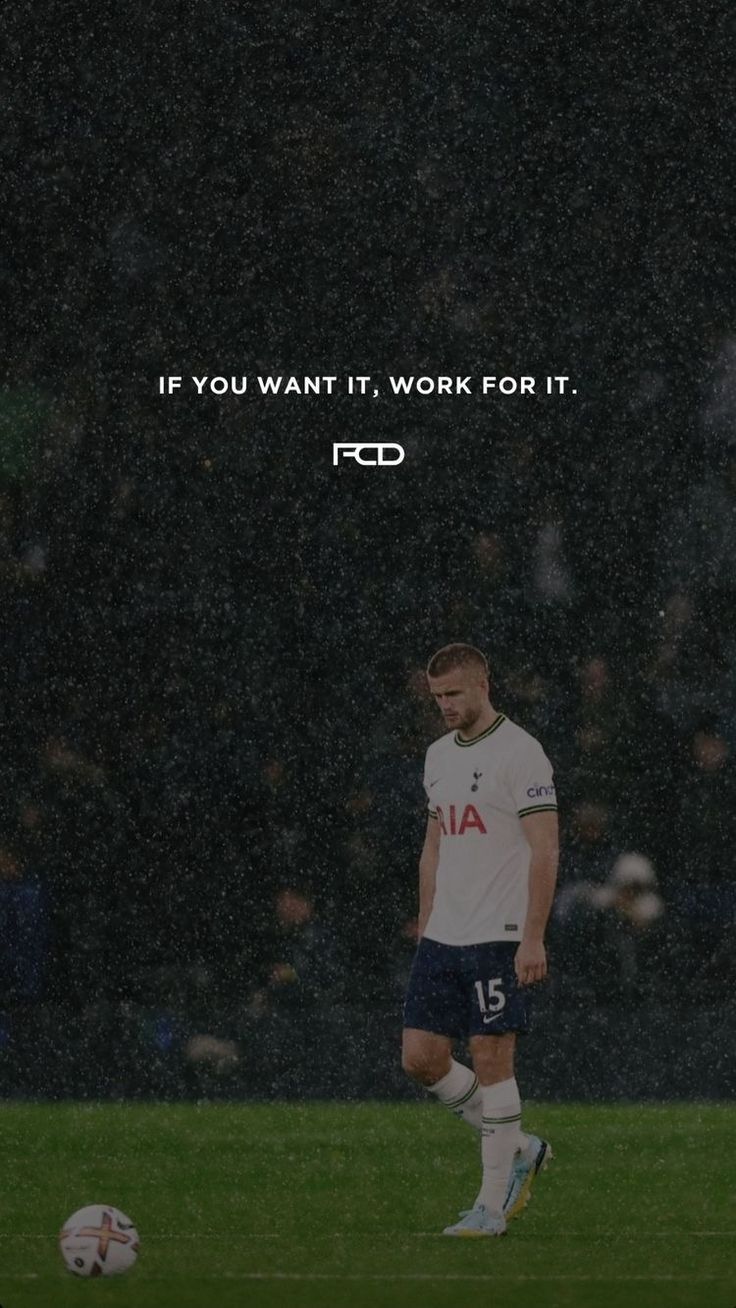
(454, 656)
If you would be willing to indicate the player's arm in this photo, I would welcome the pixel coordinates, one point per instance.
(428, 861)
(541, 832)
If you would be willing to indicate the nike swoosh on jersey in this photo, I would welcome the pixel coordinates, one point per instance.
(492, 1018)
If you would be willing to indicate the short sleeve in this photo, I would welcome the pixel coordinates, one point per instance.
(531, 780)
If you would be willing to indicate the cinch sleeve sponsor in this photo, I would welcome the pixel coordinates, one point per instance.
(532, 781)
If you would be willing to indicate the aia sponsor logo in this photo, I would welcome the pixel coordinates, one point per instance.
(469, 820)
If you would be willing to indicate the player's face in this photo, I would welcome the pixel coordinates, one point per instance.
(460, 695)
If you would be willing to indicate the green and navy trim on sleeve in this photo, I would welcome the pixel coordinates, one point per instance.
(432, 812)
(537, 808)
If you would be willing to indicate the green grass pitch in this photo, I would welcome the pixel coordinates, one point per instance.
(332, 1205)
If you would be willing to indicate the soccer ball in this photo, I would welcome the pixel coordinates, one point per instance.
(99, 1241)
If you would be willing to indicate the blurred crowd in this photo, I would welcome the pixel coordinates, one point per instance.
(215, 715)
(213, 704)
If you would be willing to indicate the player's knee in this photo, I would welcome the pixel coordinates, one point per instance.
(411, 1064)
(423, 1064)
(493, 1058)
(419, 1069)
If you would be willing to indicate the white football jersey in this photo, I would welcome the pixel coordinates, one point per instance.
(478, 790)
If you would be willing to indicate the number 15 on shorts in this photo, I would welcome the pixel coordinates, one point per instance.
(491, 999)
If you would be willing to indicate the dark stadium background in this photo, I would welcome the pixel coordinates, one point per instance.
(211, 638)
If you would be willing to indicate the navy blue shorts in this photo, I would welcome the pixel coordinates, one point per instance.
(464, 990)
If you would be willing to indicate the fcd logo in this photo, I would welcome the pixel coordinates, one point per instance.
(377, 458)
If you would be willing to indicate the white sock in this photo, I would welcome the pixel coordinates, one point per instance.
(460, 1092)
(499, 1141)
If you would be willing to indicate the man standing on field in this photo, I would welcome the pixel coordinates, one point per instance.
(487, 877)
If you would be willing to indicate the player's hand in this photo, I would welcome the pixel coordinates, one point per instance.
(530, 962)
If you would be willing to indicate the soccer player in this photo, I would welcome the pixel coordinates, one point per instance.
(487, 876)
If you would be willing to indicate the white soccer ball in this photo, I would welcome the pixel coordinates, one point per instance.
(99, 1241)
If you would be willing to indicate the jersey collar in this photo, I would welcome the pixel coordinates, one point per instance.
(488, 732)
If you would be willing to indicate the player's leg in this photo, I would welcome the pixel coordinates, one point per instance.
(497, 1012)
(493, 1060)
(511, 1159)
(432, 1018)
(426, 1056)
